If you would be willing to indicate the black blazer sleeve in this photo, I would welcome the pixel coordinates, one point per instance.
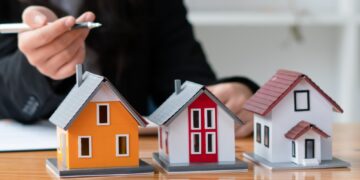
(25, 94)
(175, 52)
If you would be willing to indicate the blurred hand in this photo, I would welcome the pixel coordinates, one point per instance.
(234, 96)
(53, 48)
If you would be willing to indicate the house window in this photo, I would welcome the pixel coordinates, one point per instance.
(103, 114)
(167, 143)
(160, 139)
(293, 149)
(84, 146)
(122, 145)
(210, 143)
(258, 132)
(266, 138)
(196, 143)
(302, 100)
(195, 119)
(210, 118)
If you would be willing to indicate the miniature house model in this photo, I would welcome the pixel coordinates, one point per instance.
(97, 129)
(293, 121)
(194, 128)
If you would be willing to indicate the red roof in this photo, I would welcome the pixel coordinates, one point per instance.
(270, 94)
(301, 128)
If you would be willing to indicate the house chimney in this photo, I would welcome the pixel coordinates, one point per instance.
(79, 74)
(177, 84)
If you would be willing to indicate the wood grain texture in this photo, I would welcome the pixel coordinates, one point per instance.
(346, 146)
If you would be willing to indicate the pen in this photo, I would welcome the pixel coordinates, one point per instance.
(21, 27)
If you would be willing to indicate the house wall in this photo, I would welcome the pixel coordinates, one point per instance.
(300, 148)
(260, 148)
(179, 139)
(226, 136)
(284, 118)
(62, 147)
(103, 138)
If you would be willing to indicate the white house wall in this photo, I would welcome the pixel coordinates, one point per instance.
(179, 139)
(226, 137)
(260, 148)
(284, 118)
(105, 94)
(162, 152)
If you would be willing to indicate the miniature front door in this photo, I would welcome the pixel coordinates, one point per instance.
(309, 148)
(203, 130)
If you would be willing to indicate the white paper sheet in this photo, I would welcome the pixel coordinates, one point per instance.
(17, 137)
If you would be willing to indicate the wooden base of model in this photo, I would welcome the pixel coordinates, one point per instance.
(334, 163)
(237, 166)
(143, 168)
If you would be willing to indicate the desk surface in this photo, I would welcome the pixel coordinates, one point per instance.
(346, 146)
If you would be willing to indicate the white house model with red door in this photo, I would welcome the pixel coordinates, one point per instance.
(293, 121)
(195, 128)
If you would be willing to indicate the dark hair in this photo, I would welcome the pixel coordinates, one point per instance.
(122, 21)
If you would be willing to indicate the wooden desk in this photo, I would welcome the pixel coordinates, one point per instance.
(31, 165)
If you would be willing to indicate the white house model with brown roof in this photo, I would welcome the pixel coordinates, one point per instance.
(293, 120)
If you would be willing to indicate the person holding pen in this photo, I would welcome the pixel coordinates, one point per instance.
(141, 47)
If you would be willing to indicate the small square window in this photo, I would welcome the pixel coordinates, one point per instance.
(103, 114)
(302, 100)
(293, 154)
(195, 119)
(267, 136)
(258, 132)
(160, 138)
(210, 143)
(196, 143)
(122, 145)
(84, 146)
(210, 118)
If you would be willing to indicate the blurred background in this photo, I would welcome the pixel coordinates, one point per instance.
(255, 38)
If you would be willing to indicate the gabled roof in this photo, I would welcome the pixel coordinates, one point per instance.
(78, 97)
(270, 94)
(301, 128)
(177, 102)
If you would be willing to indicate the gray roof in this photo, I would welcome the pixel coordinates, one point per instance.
(78, 97)
(177, 102)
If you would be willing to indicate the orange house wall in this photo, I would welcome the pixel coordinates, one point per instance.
(103, 138)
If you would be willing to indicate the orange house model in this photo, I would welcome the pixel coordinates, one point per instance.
(97, 131)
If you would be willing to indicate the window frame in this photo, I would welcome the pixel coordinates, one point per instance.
(117, 145)
(161, 137)
(293, 149)
(192, 143)
(192, 118)
(98, 114)
(213, 142)
(296, 92)
(266, 136)
(258, 133)
(213, 118)
(80, 147)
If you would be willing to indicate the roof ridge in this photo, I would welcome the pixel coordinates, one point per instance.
(286, 71)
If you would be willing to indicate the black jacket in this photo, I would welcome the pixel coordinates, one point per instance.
(141, 58)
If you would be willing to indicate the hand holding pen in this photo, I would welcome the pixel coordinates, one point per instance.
(51, 46)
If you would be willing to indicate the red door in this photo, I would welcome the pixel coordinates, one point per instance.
(202, 118)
